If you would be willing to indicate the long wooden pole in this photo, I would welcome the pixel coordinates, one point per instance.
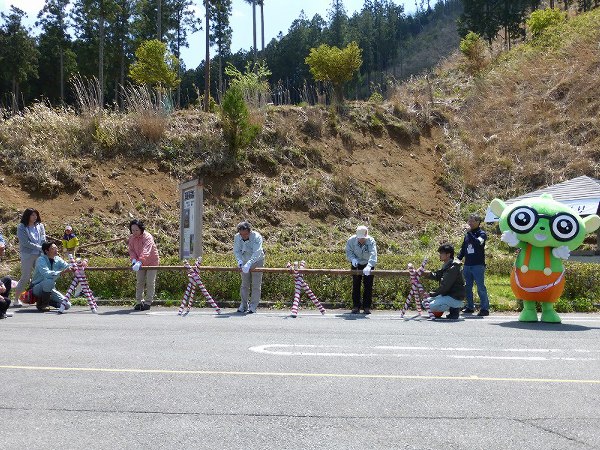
(385, 273)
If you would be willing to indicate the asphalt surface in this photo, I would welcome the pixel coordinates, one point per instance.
(129, 380)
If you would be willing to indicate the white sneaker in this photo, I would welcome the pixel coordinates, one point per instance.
(8, 314)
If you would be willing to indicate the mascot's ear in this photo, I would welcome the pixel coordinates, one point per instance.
(497, 206)
(592, 223)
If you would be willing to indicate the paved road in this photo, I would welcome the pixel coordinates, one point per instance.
(125, 380)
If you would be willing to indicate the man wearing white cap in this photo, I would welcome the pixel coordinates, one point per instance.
(361, 251)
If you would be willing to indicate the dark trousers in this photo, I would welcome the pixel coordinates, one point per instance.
(367, 295)
(4, 300)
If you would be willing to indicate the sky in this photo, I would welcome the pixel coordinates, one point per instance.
(279, 15)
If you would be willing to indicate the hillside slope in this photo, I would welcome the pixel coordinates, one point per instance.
(308, 181)
(410, 168)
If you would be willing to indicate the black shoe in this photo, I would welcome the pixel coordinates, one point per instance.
(468, 310)
(138, 307)
(483, 313)
(241, 311)
(145, 307)
(367, 311)
(251, 312)
(355, 311)
(454, 312)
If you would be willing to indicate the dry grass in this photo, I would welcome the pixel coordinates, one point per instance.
(529, 121)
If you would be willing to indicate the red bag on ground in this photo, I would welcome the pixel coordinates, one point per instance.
(28, 298)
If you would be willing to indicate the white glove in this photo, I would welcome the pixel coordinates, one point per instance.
(367, 270)
(137, 266)
(240, 263)
(481, 240)
(354, 262)
(510, 237)
(561, 252)
(133, 261)
(246, 267)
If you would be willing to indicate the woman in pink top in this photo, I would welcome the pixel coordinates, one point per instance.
(143, 252)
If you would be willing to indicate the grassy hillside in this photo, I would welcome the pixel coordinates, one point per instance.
(411, 168)
(530, 119)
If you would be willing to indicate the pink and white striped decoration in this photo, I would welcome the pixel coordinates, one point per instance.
(299, 285)
(194, 283)
(417, 292)
(80, 277)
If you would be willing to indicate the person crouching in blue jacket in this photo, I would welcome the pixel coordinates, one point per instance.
(48, 267)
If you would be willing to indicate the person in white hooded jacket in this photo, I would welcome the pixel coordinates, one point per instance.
(249, 254)
(361, 252)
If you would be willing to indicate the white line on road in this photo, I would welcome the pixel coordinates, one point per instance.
(300, 374)
(412, 352)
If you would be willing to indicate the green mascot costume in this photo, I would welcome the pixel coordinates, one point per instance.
(545, 231)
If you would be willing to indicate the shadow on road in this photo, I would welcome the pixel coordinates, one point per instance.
(543, 326)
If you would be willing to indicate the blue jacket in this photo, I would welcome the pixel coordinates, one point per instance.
(47, 270)
(473, 250)
(365, 254)
(29, 243)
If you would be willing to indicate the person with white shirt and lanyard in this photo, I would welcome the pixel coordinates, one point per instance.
(361, 252)
(249, 254)
(473, 252)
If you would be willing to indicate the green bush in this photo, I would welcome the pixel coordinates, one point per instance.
(542, 19)
(473, 47)
(238, 130)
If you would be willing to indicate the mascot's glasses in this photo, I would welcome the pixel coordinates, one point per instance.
(563, 226)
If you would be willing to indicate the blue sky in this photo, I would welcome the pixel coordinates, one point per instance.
(279, 14)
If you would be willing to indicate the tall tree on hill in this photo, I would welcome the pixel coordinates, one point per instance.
(221, 34)
(254, 45)
(90, 18)
(261, 3)
(207, 7)
(184, 21)
(481, 17)
(338, 20)
(18, 52)
(54, 42)
(120, 47)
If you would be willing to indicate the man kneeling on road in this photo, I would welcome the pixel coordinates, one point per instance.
(451, 292)
(48, 267)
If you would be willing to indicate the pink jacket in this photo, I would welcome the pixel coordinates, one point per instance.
(143, 249)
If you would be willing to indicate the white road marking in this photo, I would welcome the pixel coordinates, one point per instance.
(416, 352)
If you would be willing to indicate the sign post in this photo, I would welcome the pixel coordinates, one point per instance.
(191, 196)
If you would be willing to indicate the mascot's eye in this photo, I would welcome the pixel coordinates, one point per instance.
(522, 219)
(564, 227)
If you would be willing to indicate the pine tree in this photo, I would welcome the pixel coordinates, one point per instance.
(90, 18)
(338, 20)
(18, 52)
(54, 43)
(221, 34)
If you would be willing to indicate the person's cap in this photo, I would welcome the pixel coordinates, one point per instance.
(362, 232)
(69, 227)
